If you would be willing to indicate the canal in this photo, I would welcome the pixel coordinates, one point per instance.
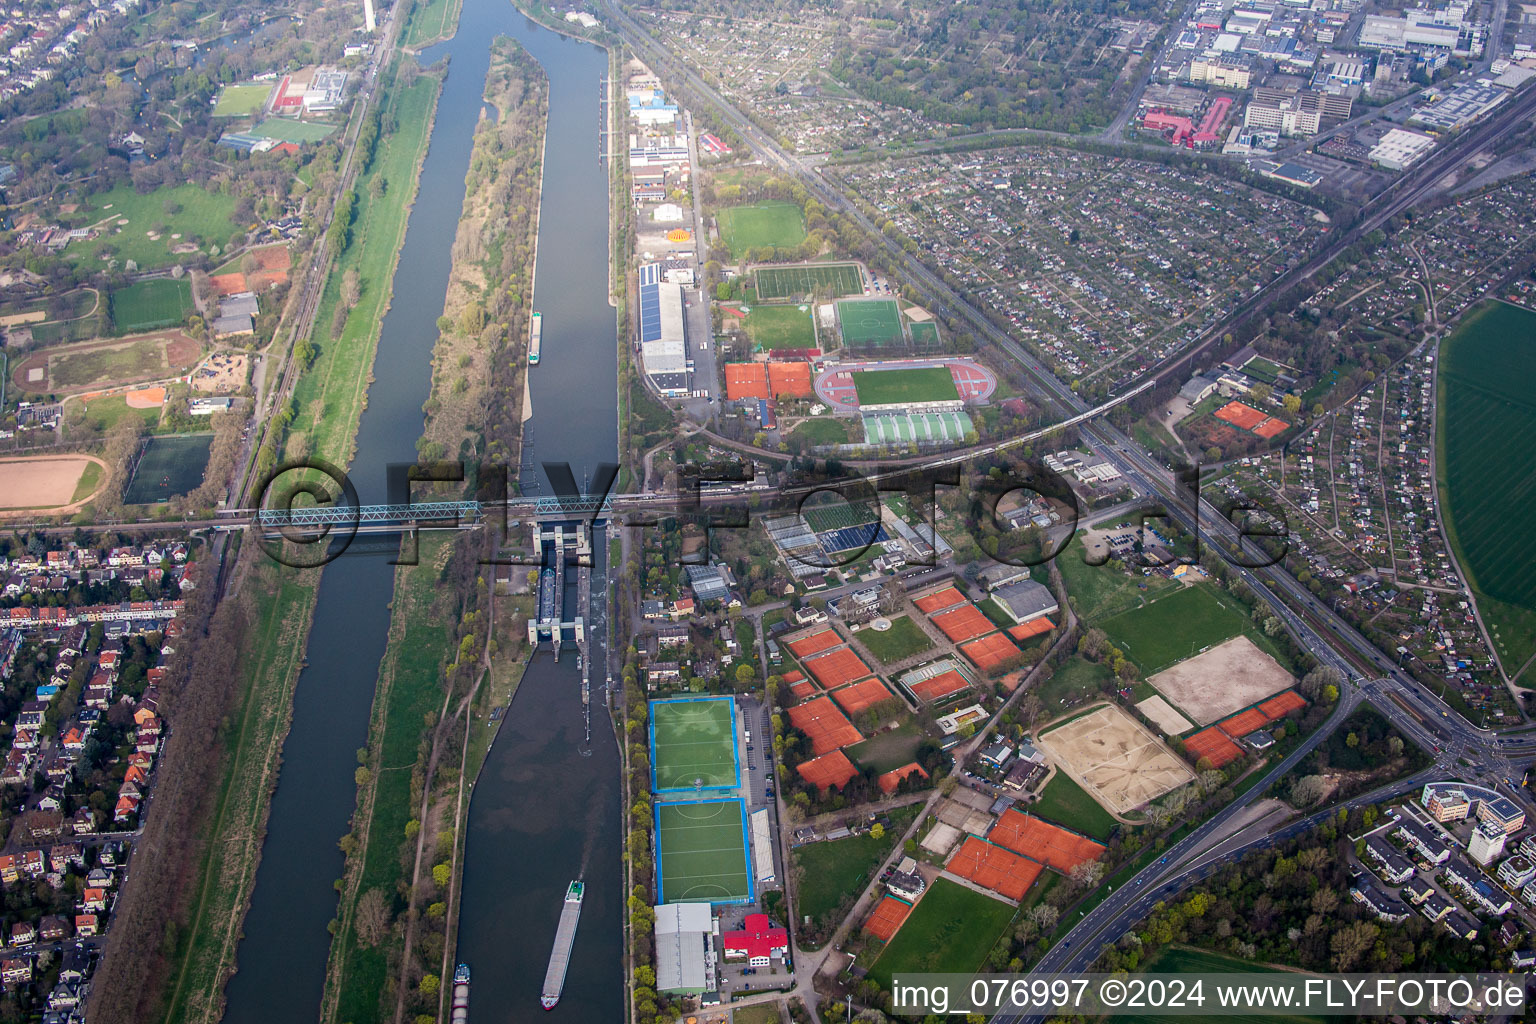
(546, 808)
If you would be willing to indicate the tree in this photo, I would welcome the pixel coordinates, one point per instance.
(441, 873)
(372, 918)
(1308, 790)
(429, 985)
(745, 673)
(1291, 404)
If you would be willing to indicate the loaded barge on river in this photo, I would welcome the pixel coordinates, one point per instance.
(560, 956)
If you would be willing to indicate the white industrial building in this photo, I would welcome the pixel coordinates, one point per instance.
(762, 846)
(1400, 149)
(685, 956)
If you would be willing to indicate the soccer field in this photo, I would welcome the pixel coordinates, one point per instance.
(693, 744)
(702, 852)
(285, 129)
(789, 282)
(146, 305)
(242, 100)
(778, 224)
(869, 321)
(905, 387)
(778, 327)
(1176, 627)
(168, 468)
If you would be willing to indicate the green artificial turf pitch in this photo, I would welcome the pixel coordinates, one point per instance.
(702, 852)
(693, 744)
(869, 321)
(805, 279)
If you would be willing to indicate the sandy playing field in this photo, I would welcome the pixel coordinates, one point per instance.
(43, 482)
(1224, 679)
(1115, 758)
(1163, 715)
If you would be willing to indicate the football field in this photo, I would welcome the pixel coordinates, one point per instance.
(702, 852)
(869, 321)
(905, 387)
(693, 744)
(781, 327)
(805, 279)
(155, 302)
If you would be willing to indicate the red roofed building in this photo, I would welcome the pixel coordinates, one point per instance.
(758, 941)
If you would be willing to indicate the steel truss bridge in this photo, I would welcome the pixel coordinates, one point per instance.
(439, 512)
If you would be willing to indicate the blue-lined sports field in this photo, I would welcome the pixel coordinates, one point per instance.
(693, 744)
(701, 852)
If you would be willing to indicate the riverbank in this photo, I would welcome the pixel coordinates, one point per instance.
(480, 359)
(431, 22)
(429, 629)
(330, 399)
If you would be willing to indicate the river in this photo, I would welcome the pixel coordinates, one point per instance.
(543, 812)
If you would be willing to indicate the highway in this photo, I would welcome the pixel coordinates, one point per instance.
(1418, 714)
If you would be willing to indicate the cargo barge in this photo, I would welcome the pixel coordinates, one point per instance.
(535, 337)
(560, 956)
(460, 1011)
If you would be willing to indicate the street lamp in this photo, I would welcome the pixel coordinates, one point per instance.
(852, 959)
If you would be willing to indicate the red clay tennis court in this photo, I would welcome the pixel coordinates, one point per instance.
(790, 378)
(1240, 415)
(1282, 704)
(1213, 744)
(1032, 628)
(1243, 723)
(990, 651)
(828, 728)
(1271, 428)
(829, 771)
(801, 688)
(1040, 840)
(995, 868)
(940, 686)
(963, 623)
(939, 600)
(746, 380)
(815, 643)
(890, 913)
(861, 696)
(891, 779)
(839, 667)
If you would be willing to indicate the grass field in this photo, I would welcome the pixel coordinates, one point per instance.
(1100, 591)
(146, 305)
(869, 321)
(905, 387)
(888, 750)
(429, 21)
(1066, 803)
(90, 479)
(952, 929)
(1178, 626)
(904, 639)
(169, 467)
(826, 278)
(773, 327)
(285, 129)
(175, 214)
(1488, 424)
(926, 334)
(828, 873)
(775, 223)
(701, 850)
(692, 740)
(1076, 679)
(824, 430)
(102, 413)
(242, 100)
(118, 362)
